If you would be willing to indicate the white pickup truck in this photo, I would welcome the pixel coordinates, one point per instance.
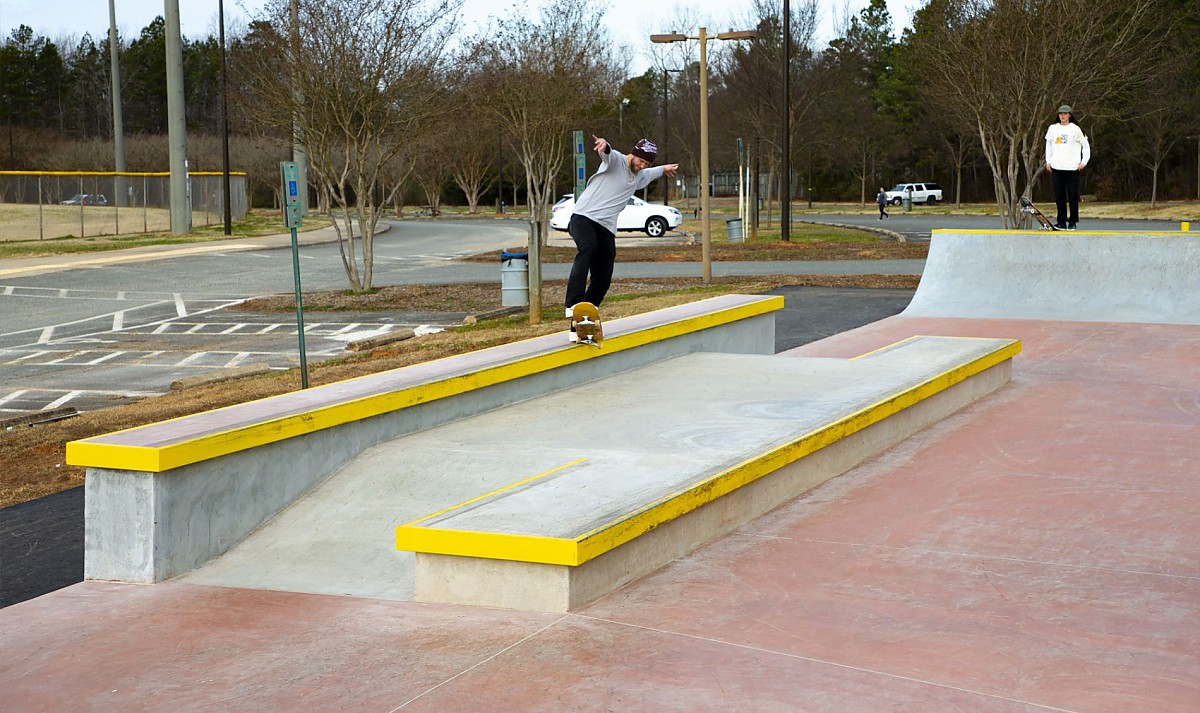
(927, 193)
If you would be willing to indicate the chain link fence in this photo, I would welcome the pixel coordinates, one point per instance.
(40, 205)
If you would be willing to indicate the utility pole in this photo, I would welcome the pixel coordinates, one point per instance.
(119, 197)
(181, 203)
(785, 197)
(225, 192)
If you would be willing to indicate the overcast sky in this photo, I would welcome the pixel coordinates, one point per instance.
(630, 21)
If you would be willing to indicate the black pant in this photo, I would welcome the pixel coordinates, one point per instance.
(1066, 191)
(882, 211)
(597, 254)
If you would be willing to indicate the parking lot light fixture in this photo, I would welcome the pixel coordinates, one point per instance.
(703, 38)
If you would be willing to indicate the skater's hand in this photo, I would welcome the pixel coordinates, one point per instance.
(1048, 169)
(601, 145)
(670, 169)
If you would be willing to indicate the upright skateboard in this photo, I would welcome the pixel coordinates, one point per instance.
(585, 321)
(1027, 206)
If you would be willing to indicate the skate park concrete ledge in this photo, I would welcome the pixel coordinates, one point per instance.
(165, 498)
(619, 502)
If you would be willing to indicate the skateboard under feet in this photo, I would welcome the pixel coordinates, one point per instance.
(585, 325)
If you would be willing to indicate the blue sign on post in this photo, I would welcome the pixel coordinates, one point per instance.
(580, 165)
(292, 211)
(292, 218)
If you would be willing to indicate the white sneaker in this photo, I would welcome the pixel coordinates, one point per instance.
(570, 312)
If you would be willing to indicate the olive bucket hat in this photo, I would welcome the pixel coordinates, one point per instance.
(1065, 109)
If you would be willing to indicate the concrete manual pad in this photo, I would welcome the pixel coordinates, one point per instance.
(631, 438)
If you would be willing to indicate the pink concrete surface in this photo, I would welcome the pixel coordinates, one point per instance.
(1038, 551)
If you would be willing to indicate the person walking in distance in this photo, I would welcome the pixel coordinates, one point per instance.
(593, 224)
(1067, 152)
(882, 200)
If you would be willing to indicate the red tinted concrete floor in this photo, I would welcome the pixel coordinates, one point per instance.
(1039, 551)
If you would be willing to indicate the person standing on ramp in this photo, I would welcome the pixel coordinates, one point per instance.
(1067, 152)
(593, 224)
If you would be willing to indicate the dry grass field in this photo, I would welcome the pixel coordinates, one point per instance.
(31, 222)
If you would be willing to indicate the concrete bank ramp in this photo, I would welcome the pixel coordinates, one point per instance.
(1077, 276)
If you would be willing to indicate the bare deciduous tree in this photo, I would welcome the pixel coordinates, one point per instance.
(549, 74)
(752, 73)
(472, 162)
(366, 74)
(1003, 66)
(1161, 118)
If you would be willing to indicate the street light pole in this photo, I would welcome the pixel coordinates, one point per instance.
(705, 223)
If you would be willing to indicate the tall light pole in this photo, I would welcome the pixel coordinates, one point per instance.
(705, 224)
(621, 120)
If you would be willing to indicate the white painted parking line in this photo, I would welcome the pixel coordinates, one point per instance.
(347, 328)
(34, 355)
(180, 307)
(46, 334)
(104, 358)
(118, 321)
(70, 355)
(191, 358)
(233, 329)
(61, 401)
(13, 395)
(269, 328)
(237, 359)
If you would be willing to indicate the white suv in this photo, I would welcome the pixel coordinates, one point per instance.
(927, 193)
(637, 215)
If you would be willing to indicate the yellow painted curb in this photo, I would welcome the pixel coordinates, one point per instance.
(101, 452)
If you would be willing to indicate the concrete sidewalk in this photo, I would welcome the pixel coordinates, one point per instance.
(147, 253)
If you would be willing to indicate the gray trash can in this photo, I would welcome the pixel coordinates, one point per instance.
(734, 227)
(514, 279)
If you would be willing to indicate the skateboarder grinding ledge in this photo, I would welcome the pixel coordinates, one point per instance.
(593, 224)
